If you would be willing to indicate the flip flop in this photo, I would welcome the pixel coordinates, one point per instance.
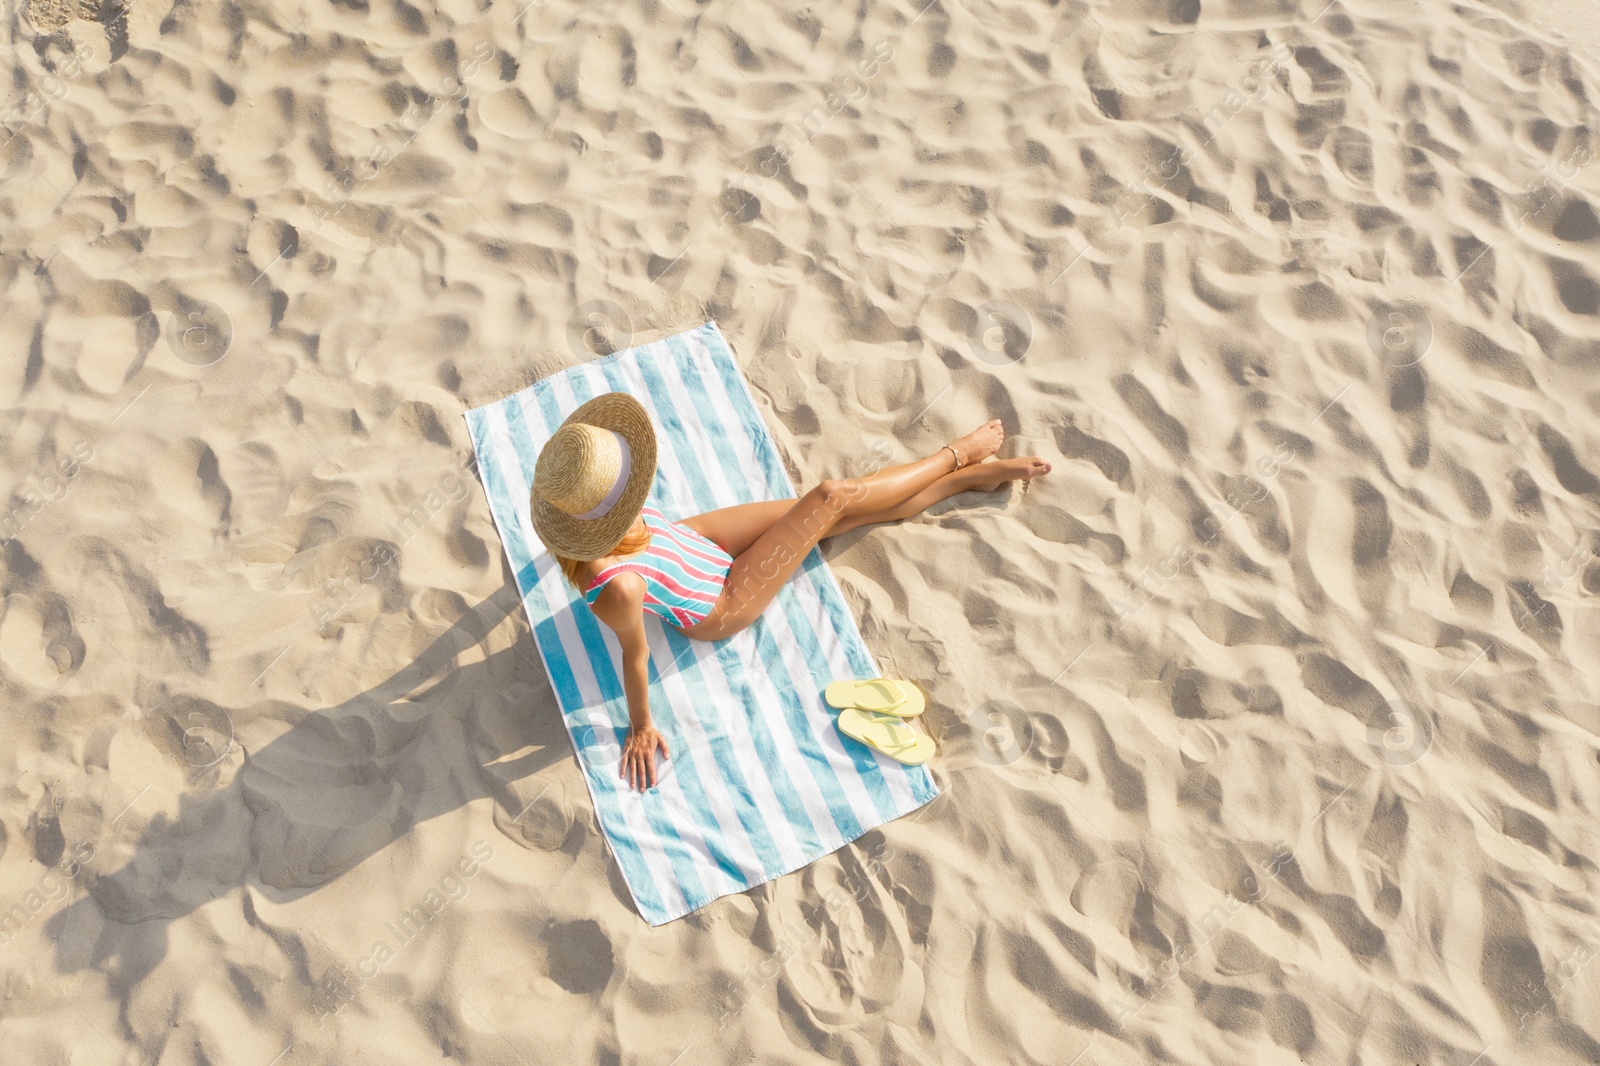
(887, 735)
(879, 695)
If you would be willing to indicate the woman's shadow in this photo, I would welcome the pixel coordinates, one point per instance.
(340, 785)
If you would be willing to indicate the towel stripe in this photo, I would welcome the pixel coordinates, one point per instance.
(760, 781)
(815, 807)
(846, 803)
(600, 646)
(889, 790)
(721, 656)
(676, 651)
(641, 870)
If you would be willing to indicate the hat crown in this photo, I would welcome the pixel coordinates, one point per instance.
(593, 476)
(578, 467)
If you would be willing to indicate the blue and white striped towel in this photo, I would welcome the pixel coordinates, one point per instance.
(760, 781)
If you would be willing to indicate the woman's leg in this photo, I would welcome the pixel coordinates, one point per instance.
(984, 476)
(761, 570)
(736, 528)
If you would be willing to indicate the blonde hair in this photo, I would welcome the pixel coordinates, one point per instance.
(635, 540)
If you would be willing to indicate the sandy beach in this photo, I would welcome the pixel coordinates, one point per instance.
(1269, 721)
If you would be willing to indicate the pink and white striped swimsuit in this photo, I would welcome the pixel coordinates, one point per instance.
(683, 571)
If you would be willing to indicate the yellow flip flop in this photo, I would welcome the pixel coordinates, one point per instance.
(887, 735)
(879, 695)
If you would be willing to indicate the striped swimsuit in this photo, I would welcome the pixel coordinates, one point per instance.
(683, 571)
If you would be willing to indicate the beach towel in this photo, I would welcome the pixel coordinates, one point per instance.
(760, 782)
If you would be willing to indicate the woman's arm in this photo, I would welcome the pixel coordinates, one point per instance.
(621, 606)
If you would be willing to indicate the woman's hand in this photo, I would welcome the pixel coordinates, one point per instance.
(638, 757)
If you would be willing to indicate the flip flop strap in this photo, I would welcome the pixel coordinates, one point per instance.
(900, 702)
(893, 723)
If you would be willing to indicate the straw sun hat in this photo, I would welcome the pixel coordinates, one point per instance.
(592, 477)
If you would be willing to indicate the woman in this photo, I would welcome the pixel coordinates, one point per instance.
(710, 575)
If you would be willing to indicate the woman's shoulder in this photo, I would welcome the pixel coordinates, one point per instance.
(623, 592)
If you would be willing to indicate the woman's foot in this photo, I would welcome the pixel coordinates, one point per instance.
(990, 476)
(981, 443)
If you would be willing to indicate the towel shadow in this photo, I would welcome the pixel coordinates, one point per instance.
(339, 786)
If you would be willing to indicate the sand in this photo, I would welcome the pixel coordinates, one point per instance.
(1268, 721)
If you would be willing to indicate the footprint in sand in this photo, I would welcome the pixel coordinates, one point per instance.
(48, 16)
(607, 68)
(546, 818)
(848, 958)
(188, 478)
(193, 732)
(260, 500)
(101, 334)
(504, 988)
(53, 16)
(1591, 578)
(1114, 897)
(37, 641)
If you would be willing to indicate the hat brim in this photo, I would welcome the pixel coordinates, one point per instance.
(574, 538)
